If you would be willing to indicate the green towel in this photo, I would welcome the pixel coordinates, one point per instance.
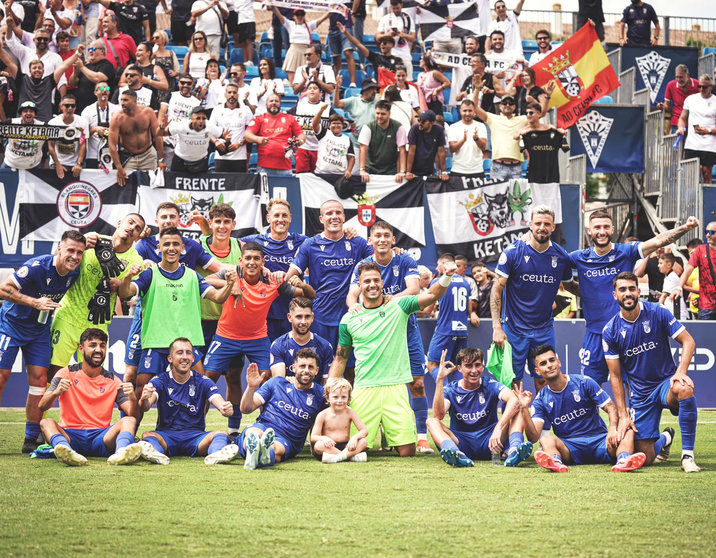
(499, 363)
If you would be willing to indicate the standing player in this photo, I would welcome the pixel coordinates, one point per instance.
(475, 432)
(171, 295)
(181, 396)
(451, 328)
(571, 405)
(30, 295)
(596, 268)
(242, 330)
(289, 407)
(284, 349)
(87, 394)
(636, 346)
(330, 258)
(92, 290)
(280, 247)
(529, 273)
(378, 334)
(192, 255)
(400, 277)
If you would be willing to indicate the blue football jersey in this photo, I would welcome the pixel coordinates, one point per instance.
(330, 266)
(278, 255)
(533, 280)
(574, 411)
(596, 274)
(283, 350)
(452, 308)
(473, 410)
(288, 410)
(38, 277)
(642, 347)
(192, 256)
(182, 406)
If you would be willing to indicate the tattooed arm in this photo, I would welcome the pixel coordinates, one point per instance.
(498, 287)
(338, 366)
(668, 237)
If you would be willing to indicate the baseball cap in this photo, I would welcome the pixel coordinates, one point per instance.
(28, 105)
(200, 109)
(368, 84)
(507, 98)
(299, 11)
(427, 115)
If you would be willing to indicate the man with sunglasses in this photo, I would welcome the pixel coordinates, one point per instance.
(703, 259)
(699, 114)
(181, 104)
(383, 59)
(69, 154)
(509, 26)
(544, 46)
(41, 51)
(98, 116)
(314, 71)
(676, 92)
(97, 69)
(146, 96)
(27, 38)
(237, 74)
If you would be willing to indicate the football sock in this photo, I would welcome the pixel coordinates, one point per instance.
(219, 441)
(420, 408)
(516, 438)
(623, 455)
(59, 440)
(272, 457)
(32, 430)
(687, 453)
(448, 444)
(687, 423)
(342, 456)
(235, 419)
(661, 441)
(124, 439)
(557, 457)
(154, 442)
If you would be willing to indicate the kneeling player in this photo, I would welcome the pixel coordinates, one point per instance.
(331, 435)
(571, 404)
(290, 406)
(181, 426)
(87, 394)
(475, 432)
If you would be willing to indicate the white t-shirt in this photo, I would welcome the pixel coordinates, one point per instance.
(702, 112)
(333, 154)
(68, 151)
(93, 115)
(259, 85)
(192, 145)
(245, 10)
(468, 160)
(403, 113)
(410, 96)
(511, 28)
(22, 153)
(144, 95)
(304, 114)
(299, 34)
(210, 22)
(179, 108)
(235, 120)
(539, 56)
(671, 281)
(215, 93)
(325, 74)
(404, 24)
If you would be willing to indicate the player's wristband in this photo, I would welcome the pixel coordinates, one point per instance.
(445, 281)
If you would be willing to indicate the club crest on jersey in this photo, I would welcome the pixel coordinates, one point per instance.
(289, 243)
(192, 390)
(382, 314)
(48, 281)
(593, 130)
(101, 389)
(22, 272)
(147, 362)
(554, 261)
(348, 245)
(646, 326)
(309, 399)
(396, 271)
(551, 404)
(611, 258)
(577, 398)
(481, 398)
(79, 204)
(367, 212)
(653, 68)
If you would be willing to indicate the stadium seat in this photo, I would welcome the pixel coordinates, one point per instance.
(529, 45)
(360, 76)
(266, 50)
(448, 163)
(281, 74)
(369, 41)
(211, 161)
(253, 161)
(456, 114)
(252, 72)
(416, 56)
(525, 164)
(448, 116)
(264, 38)
(351, 92)
(169, 33)
(606, 100)
(487, 167)
(180, 51)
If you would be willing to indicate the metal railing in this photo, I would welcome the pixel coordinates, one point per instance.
(641, 98)
(615, 60)
(625, 93)
(652, 139)
(706, 64)
(669, 159)
(689, 195)
(577, 169)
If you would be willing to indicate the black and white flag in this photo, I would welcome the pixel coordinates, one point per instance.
(478, 218)
(448, 22)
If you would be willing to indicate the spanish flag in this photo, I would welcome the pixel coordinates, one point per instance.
(582, 74)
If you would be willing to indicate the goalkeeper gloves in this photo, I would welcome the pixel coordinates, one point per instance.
(108, 260)
(100, 311)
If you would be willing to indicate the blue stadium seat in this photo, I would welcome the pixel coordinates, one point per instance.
(416, 56)
(266, 50)
(253, 160)
(211, 161)
(264, 38)
(316, 38)
(456, 114)
(180, 51)
(487, 167)
(369, 41)
(370, 70)
(606, 100)
(169, 33)
(281, 74)
(448, 163)
(236, 56)
(360, 76)
(525, 164)
(351, 92)
(448, 116)
(529, 45)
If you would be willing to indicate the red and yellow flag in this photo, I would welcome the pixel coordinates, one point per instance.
(582, 73)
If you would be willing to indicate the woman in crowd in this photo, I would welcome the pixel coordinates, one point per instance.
(265, 84)
(167, 60)
(198, 55)
(299, 34)
(432, 82)
(153, 74)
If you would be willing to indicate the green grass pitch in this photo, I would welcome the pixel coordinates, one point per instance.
(386, 507)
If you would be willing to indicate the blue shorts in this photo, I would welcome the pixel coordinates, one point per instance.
(222, 352)
(89, 442)
(292, 448)
(416, 351)
(36, 350)
(591, 356)
(523, 343)
(440, 342)
(589, 449)
(133, 352)
(330, 334)
(277, 327)
(208, 328)
(475, 444)
(182, 442)
(646, 413)
(156, 361)
(338, 43)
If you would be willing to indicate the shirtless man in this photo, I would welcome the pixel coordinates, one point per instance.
(133, 130)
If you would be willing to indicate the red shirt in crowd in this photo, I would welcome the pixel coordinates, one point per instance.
(278, 129)
(677, 94)
(707, 282)
(124, 48)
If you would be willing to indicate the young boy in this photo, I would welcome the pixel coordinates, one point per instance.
(330, 437)
(671, 281)
(335, 152)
